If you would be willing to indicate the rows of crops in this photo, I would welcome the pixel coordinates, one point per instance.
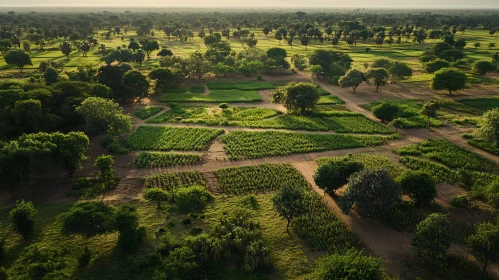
(144, 113)
(232, 95)
(438, 171)
(370, 161)
(330, 99)
(258, 178)
(484, 145)
(171, 181)
(245, 144)
(171, 138)
(213, 115)
(483, 104)
(158, 159)
(249, 85)
(451, 155)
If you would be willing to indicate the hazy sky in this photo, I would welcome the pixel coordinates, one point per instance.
(259, 3)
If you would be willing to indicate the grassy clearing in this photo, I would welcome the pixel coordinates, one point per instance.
(157, 159)
(172, 138)
(244, 144)
(144, 113)
(245, 86)
(214, 96)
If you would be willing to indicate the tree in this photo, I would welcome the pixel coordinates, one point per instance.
(85, 48)
(489, 127)
(51, 75)
(66, 48)
(5, 46)
(435, 65)
(429, 110)
(332, 63)
(476, 45)
(89, 218)
(299, 61)
(385, 111)
(198, 65)
(373, 192)
(353, 78)
(495, 57)
(305, 41)
(484, 243)
(18, 58)
(431, 238)
(289, 203)
(398, 122)
(139, 57)
(101, 114)
(165, 52)
(23, 217)
(351, 265)
(104, 163)
(297, 96)
(163, 76)
(382, 62)
(483, 67)
(148, 46)
(136, 85)
(127, 224)
(419, 186)
(156, 195)
(134, 45)
(440, 47)
(28, 115)
(460, 44)
(449, 79)
(400, 70)
(379, 76)
(27, 46)
(333, 175)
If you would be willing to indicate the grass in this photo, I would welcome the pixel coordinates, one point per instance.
(144, 113)
(244, 86)
(214, 96)
(174, 89)
(245, 144)
(164, 138)
(157, 159)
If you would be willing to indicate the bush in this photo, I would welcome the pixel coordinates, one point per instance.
(435, 65)
(332, 175)
(431, 239)
(82, 183)
(127, 224)
(483, 67)
(335, 80)
(23, 217)
(419, 186)
(460, 201)
(186, 221)
(196, 231)
(88, 218)
(223, 106)
(194, 197)
(352, 265)
(156, 195)
(386, 111)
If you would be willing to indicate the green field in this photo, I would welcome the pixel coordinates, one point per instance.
(218, 96)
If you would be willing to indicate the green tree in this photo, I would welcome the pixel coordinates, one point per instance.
(28, 115)
(148, 46)
(353, 78)
(5, 46)
(431, 238)
(51, 75)
(386, 111)
(18, 58)
(489, 126)
(198, 65)
(460, 44)
(299, 61)
(379, 76)
(448, 79)
(27, 46)
(373, 192)
(331, 61)
(435, 65)
(134, 45)
(23, 217)
(484, 243)
(483, 67)
(163, 76)
(107, 181)
(88, 218)
(130, 235)
(136, 85)
(66, 48)
(297, 96)
(419, 186)
(382, 62)
(289, 203)
(476, 45)
(351, 265)
(156, 195)
(333, 175)
(139, 57)
(429, 110)
(400, 70)
(101, 114)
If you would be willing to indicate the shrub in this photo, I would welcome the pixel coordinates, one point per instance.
(223, 106)
(127, 223)
(82, 183)
(483, 67)
(335, 80)
(460, 201)
(156, 195)
(332, 175)
(419, 186)
(186, 221)
(352, 265)
(196, 231)
(23, 217)
(435, 65)
(194, 197)
(88, 218)
(386, 111)
(431, 238)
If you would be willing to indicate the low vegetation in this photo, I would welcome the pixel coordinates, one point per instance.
(157, 159)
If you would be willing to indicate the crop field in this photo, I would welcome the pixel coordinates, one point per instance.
(483, 104)
(243, 86)
(144, 113)
(330, 100)
(258, 178)
(369, 161)
(171, 181)
(172, 138)
(158, 159)
(244, 144)
(231, 95)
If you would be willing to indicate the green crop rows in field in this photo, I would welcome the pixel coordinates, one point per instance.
(231, 95)
(245, 144)
(370, 161)
(144, 113)
(258, 178)
(483, 104)
(171, 181)
(163, 138)
(438, 171)
(330, 99)
(158, 159)
(249, 85)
